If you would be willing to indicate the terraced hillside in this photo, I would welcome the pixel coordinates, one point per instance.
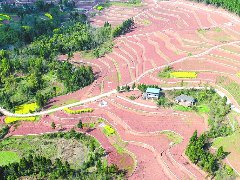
(181, 34)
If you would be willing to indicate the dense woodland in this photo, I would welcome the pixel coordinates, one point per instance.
(231, 5)
(30, 70)
(39, 167)
(27, 22)
(198, 152)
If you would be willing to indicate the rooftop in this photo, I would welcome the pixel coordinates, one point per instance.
(153, 90)
(185, 98)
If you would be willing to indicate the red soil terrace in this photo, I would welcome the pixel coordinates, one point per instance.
(185, 35)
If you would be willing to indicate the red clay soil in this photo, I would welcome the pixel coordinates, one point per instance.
(172, 32)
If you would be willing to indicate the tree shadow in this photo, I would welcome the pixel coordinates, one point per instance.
(90, 130)
(50, 103)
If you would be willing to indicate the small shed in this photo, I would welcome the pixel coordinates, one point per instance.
(185, 100)
(103, 103)
(152, 93)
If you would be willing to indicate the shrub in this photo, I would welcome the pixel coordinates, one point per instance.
(165, 73)
(123, 28)
(99, 8)
(108, 130)
(132, 97)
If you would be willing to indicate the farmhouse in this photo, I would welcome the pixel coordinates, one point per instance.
(185, 100)
(152, 93)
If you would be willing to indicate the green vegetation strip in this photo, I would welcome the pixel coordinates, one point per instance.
(231, 86)
(12, 119)
(79, 111)
(131, 3)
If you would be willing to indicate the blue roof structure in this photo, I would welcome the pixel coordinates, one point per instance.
(153, 90)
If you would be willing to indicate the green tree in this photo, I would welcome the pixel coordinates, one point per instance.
(80, 124)
(133, 86)
(40, 100)
(220, 153)
(118, 88)
(53, 125)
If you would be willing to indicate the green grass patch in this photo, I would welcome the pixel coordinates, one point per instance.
(231, 86)
(202, 31)
(175, 138)
(119, 148)
(218, 29)
(48, 146)
(145, 22)
(182, 108)
(108, 130)
(183, 74)
(230, 143)
(203, 109)
(7, 157)
(199, 108)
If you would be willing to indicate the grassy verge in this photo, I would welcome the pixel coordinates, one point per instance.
(231, 86)
(108, 130)
(12, 119)
(127, 159)
(175, 138)
(133, 3)
(79, 111)
(230, 144)
(181, 108)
